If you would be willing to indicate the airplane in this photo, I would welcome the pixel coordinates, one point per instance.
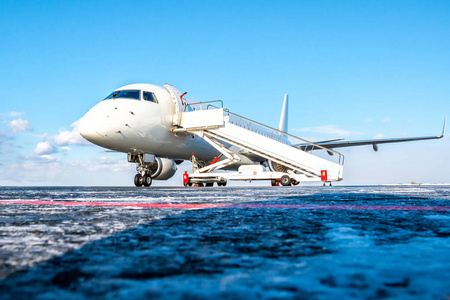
(148, 123)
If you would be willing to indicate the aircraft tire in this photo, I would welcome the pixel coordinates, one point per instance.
(138, 180)
(285, 180)
(147, 180)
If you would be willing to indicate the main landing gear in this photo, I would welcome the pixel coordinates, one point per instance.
(140, 180)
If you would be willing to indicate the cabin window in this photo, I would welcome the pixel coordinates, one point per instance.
(149, 96)
(128, 94)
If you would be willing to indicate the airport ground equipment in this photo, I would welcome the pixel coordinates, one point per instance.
(290, 155)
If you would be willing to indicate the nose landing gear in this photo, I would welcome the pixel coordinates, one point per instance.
(145, 171)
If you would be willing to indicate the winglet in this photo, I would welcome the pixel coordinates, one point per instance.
(443, 129)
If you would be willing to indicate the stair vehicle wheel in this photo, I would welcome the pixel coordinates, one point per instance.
(138, 180)
(147, 180)
(285, 180)
(273, 182)
(222, 183)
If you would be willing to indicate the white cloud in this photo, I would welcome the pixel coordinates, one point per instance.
(328, 129)
(379, 136)
(387, 119)
(44, 148)
(369, 120)
(107, 160)
(45, 159)
(48, 170)
(15, 114)
(18, 125)
(105, 163)
(73, 137)
(42, 171)
(2, 136)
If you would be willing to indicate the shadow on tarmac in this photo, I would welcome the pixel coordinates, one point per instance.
(252, 253)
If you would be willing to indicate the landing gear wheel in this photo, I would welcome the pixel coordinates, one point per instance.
(273, 182)
(285, 180)
(147, 180)
(138, 180)
(294, 182)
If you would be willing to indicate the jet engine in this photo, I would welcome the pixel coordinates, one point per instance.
(153, 167)
(163, 168)
(276, 167)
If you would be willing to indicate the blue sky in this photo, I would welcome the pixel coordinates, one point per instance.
(352, 69)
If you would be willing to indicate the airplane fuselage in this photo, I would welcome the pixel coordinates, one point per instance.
(138, 126)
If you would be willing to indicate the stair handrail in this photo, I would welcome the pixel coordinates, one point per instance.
(196, 103)
(281, 133)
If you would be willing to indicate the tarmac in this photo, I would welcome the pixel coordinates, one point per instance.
(228, 243)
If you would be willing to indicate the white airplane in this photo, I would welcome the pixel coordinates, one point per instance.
(158, 128)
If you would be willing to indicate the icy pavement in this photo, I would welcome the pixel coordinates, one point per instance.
(254, 243)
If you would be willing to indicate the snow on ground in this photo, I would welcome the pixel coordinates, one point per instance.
(76, 252)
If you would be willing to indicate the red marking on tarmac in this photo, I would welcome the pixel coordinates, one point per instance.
(125, 204)
(258, 206)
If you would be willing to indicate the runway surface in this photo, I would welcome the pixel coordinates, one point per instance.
(228, 243)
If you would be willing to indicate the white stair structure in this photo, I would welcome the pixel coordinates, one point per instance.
(222, 129)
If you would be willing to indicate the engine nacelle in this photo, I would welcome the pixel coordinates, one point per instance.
(165, 168)
(276, 167)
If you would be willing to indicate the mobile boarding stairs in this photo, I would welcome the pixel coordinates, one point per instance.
(223, 129)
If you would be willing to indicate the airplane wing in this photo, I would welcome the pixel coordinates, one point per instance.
(341, 143)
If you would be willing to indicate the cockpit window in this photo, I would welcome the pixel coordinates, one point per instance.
(129, 94)
(150, 97)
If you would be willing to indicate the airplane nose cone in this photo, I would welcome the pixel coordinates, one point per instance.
(89, 128)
